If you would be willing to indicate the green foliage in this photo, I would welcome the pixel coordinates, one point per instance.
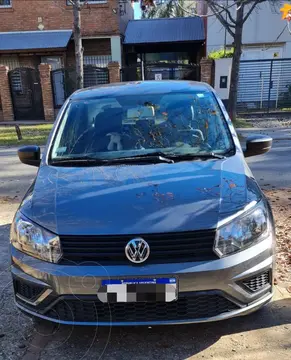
(221, 54)
(170, 9)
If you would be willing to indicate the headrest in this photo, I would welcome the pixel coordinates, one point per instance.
(109, 120)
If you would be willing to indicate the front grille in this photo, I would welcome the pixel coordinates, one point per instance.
(192, 306)
(164, 248)
(29, 291)
(258, 282)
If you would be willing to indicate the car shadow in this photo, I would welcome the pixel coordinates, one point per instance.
(163, 342)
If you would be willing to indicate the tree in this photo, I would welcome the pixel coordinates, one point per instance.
(233, 15)
(170, 9)
(77, 7)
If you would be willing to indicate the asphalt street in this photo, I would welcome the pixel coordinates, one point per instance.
(274, 168)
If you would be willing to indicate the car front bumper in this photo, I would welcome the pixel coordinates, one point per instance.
(207, 291)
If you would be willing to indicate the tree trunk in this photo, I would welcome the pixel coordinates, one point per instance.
(235, 64)
(78, 45)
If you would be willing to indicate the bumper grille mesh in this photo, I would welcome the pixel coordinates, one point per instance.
(193, 306)
(258, 282)
(27, 290)
(165, 248)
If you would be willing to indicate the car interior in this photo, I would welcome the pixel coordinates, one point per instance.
(115, 126)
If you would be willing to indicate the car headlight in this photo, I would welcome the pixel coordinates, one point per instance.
(242, 232)
(34, 240)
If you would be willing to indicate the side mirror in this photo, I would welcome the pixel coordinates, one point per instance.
(257, 145)
(29, 155)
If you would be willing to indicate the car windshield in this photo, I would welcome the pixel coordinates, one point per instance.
(125, 126)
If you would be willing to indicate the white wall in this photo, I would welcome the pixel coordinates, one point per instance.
(261, 29)
(116, 54)
(128, 14)
(222, 68)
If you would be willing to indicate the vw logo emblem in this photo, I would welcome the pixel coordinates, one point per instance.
(137, 250)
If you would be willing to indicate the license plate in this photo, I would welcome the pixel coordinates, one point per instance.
(138, 290)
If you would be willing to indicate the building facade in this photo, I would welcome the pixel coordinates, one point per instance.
(103, 24)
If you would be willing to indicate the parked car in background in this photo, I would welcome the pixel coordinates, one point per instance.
(143, 212)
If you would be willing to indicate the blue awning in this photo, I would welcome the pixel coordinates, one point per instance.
(33, 40)
(164, 30)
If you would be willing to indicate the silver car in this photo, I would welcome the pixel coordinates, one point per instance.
(143, 212)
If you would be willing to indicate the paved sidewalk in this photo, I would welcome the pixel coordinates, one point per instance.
(274, 133)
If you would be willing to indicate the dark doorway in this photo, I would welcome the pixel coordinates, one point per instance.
(172, 71)
(26, 94)
(161, 71)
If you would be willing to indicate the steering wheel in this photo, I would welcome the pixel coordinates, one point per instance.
(197, 134)
(192, 133)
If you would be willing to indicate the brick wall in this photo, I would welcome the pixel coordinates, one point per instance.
(91, 47)
(6, 100)
(207, 71)
(29, 61)
(97, 19)
(97, 47)
(114, 72)
(47, 94)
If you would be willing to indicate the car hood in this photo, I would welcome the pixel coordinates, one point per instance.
(139, 199)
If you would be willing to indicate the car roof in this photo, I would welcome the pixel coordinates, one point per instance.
(139, 88)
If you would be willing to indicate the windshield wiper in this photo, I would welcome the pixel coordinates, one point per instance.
(168, 158)
(73, 161)
(211, 155)
(91, 161)
(153, 157)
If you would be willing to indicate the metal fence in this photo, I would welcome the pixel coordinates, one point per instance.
(94, 75)
(264, 85)
(131, 73)
(97, 60)
(160, 71)
(172, 71)
(64, 81)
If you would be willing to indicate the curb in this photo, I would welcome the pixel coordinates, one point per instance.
(245, 133)
(266, 129)
(274, 138)
(281, 293)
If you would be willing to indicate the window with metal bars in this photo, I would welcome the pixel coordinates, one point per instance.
(97, 60)
(11, 61)
(16, 81)
(87, 1)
